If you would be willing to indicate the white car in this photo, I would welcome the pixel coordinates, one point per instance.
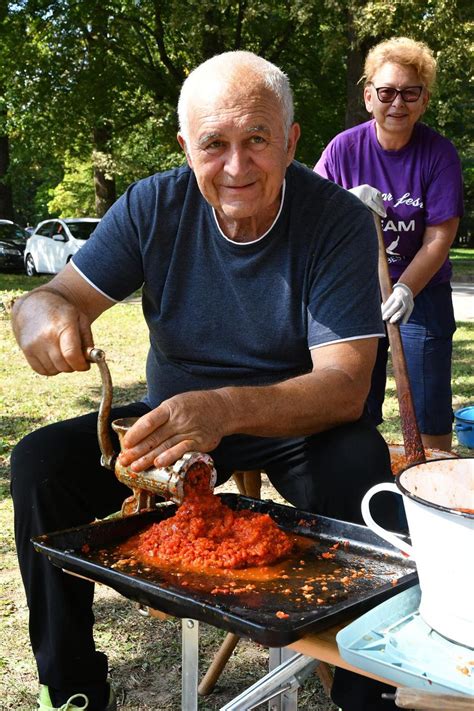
(53, 243)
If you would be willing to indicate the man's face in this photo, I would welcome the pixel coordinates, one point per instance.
(238, 150)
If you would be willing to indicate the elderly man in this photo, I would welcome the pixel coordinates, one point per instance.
(261, 297)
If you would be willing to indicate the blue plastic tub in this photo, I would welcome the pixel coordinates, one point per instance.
(465, 426)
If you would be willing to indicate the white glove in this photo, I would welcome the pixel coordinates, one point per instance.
(371, 197)
(399, 304)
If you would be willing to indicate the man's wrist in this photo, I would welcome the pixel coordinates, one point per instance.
(18, 303)
(230, 405)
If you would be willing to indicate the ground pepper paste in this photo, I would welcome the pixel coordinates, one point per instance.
(206, 533)
(399, 460)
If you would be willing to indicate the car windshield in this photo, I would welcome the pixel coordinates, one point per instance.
(12, 233)
(81, 230)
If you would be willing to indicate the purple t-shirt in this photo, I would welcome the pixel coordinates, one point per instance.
(421, 185)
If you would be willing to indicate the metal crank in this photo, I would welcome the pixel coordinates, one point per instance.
(164, 482)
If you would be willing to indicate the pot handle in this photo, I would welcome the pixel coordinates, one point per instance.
(463, 428)
(389, 536)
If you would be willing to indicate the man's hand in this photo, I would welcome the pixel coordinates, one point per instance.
(399, 304)
(52, 333)
(52, 324)
(193, 421)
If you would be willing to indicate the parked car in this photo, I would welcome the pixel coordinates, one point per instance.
(12, 245)
(53, 243)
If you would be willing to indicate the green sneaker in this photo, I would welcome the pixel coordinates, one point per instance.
(45, 704)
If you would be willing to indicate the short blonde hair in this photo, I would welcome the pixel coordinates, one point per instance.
(404, 51)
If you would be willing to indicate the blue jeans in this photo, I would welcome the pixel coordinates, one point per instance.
(427, 343)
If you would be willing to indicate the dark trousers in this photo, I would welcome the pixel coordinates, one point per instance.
(58, 482)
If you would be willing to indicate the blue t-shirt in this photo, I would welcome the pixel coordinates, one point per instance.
(225, 313)
(421, 185)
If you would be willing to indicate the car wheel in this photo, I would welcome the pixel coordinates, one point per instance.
(30, 266)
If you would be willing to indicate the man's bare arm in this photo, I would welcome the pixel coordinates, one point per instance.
(332, 394)
(52, 324)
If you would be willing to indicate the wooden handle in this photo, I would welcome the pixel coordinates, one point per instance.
(221, 658)
(416, 699)
(414, 450)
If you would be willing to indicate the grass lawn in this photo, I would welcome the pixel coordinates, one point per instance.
(462, 259)
(144, 654)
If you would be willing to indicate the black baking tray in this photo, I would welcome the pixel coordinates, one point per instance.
(341, 571)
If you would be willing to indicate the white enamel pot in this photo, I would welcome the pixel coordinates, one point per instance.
(438, 496)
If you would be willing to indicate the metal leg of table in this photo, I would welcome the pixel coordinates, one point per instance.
(287, 700)
(286, 677)
(190, 664)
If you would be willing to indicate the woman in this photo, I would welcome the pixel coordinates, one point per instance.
(419, 175)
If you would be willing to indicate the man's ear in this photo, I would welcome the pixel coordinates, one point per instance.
(293, 136)
(182, 143)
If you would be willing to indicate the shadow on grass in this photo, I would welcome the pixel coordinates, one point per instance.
(20, 282)
(146, 666)
(145, 645)
(15, 428)
(135, 392)
(4, 486)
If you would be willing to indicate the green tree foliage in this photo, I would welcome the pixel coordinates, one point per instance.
(96, 84)
(74, 195)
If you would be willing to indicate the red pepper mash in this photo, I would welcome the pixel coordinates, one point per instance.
(206, 533)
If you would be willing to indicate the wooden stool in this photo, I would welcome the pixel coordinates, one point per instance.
(249, 483)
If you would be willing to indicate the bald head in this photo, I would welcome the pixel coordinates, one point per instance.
(234, 72)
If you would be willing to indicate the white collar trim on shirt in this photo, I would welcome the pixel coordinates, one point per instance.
(245, 244)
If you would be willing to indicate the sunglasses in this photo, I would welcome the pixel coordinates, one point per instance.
(387, 94)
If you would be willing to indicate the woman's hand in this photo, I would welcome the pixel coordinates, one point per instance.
(399, 305)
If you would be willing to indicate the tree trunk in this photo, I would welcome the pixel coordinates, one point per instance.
(355, 108)
(6, 199)
(104, 182)
(104, 179)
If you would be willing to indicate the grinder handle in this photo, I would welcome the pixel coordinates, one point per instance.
(97, 355)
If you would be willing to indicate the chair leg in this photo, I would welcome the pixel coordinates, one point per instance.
(249, 483)
(221, 658)
(326, 677)
(238, 477)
